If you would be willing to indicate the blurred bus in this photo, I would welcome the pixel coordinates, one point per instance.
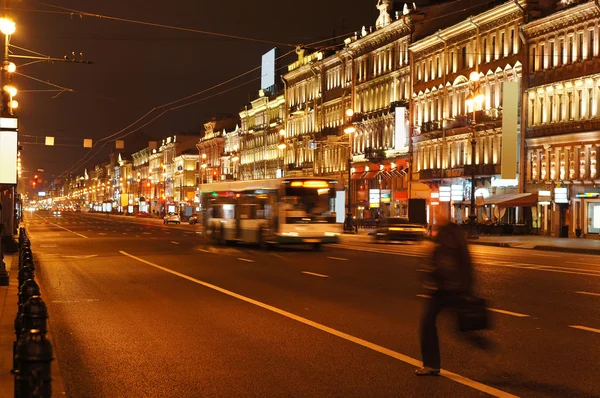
(270, 212)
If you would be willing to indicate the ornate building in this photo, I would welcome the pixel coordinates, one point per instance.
(563, 119)
(258, 139)
(475, 56)
(211, 148)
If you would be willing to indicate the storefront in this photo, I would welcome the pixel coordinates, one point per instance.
(587, 213)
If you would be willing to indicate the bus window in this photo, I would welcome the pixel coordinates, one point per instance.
(248, 211)
(229, 211)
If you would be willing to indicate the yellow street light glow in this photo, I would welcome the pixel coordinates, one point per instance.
(11, 90)
(282, 132)
(7, 26)
(11, 68)
(470, 100)
(350, 130)
(281, 146)
(14, 104)
(349, 112)
(235, 159)
(479, 98)
(474, 76)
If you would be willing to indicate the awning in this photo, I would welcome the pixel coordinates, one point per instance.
(357, 176)
(370, 175)
(510, 200)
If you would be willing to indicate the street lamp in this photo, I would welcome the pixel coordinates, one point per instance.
(349, 129)
(474, 99)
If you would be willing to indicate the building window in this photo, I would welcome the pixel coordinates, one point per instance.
(551, 110)
(552, 60)
(463, 57)
(571, 49)
(493, 49)
(580, 104)
(484, 47)
(511, 44)
(542, 53)
(570, 106)
(590, 47)
(542, 111)
(437, 67)
(561, 51)
(561, 112)
(533, 59)
(579, 46)
(532, 112)
(502, 52)
(590, 103)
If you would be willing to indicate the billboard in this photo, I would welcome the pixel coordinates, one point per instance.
(267, 77)
(400, 129)
(8, 157)
(510, 133)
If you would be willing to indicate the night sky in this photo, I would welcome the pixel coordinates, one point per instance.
(136, 68)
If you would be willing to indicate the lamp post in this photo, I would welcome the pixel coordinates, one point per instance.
(349, 129)
(475, 98)
(282, 145)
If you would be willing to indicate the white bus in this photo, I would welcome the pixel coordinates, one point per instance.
(268, 212)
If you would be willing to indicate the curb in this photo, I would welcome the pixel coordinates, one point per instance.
(539, 247)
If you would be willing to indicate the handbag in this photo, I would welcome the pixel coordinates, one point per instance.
(472, 314)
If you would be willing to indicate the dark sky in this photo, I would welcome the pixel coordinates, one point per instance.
(138, 67)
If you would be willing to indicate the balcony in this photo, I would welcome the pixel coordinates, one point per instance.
(482, 169)
(375, 155)
(564, 72)
(466, 172)
(563, 128)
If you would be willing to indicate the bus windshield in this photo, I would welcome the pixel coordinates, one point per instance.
(309, 205)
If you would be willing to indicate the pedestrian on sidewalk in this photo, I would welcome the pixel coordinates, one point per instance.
(450, 280)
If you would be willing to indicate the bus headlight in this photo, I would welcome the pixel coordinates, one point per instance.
(331, 234)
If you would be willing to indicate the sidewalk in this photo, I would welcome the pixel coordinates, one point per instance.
(8, 313)
(534, 242)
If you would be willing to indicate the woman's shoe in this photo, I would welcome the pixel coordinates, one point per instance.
(427, 371)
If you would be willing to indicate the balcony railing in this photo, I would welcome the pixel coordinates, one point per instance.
(575, 126)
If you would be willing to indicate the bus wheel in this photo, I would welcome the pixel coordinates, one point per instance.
(262, 240)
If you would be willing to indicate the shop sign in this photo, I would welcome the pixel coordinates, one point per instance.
(457, 193)
(588, 195)
(544, 197)
(435, 198)
(561, 195)
(445, 194)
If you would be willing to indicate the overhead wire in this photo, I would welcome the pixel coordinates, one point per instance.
(158, 25)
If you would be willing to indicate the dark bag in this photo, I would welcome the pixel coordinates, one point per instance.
(472, 314)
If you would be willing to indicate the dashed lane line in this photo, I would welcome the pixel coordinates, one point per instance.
(73, 232)
(315, 274)
(585, 328)
(517, 314)
(245, 259)
(356, 340)
(338, 258)
(589, 294)
(175, 243)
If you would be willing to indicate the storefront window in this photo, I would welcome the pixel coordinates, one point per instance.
(593, 218)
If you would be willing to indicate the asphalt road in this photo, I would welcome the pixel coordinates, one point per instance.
(140, 309)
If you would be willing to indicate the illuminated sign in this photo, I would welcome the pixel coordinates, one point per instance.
(8, 157)
(400, 129)
(561, 195)
(588, 195)
(544, 197)
(42, 193)
(267, 77)
(457, 193)
(445, 194)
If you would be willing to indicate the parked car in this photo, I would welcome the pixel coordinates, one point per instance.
(398, 229)
(172, 217)
(193, 219)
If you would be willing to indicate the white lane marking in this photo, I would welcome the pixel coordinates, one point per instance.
(490, 309)
(101, 233)
(175, 243)
(589, 294)
(48, 245)
(338, 258)
(315, 274)
(423, 270)
(205, 251)
(542, 255)
(147, 233)
(385, 351)
(78, 234)
(585, 328)
(509, 313)
(246, 260)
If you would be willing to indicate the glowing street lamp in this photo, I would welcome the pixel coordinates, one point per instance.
(7, 26)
